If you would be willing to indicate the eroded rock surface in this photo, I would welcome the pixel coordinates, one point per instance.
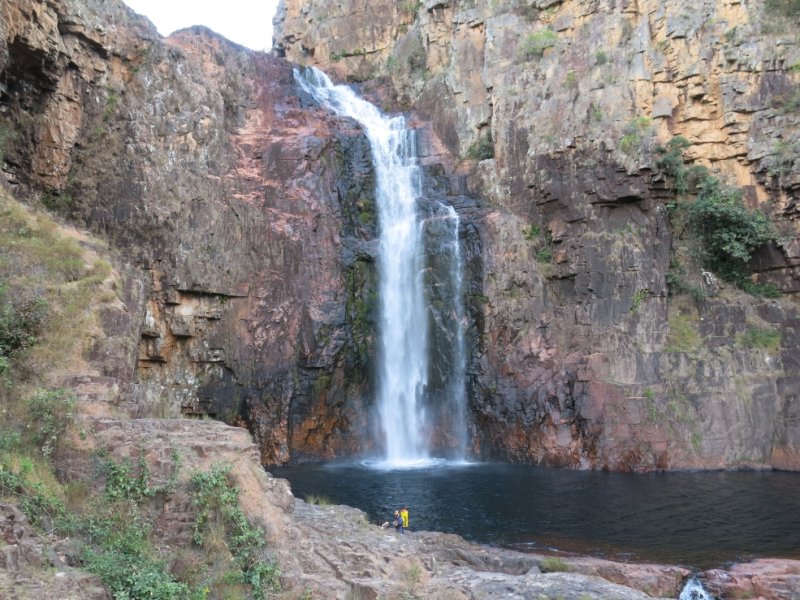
(335, 552)
(31, 566)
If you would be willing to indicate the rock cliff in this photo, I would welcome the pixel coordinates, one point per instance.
(584, 352)
(236, 279)
(245, 213)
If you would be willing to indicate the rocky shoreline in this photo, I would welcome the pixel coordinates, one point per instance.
(363, 555)
(334, 552)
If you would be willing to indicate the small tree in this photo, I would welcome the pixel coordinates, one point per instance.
(715, 213)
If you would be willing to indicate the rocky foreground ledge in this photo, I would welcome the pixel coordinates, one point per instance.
(333, 551)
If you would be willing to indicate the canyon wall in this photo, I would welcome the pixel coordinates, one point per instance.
(244, 216)
(553, 110)
(244, 213)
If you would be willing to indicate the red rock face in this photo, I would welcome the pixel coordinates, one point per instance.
(198, 161)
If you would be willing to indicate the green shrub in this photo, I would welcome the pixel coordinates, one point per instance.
(21, 321)
(758, 337)
(123, 482)
(119, 551)
(729, 231)
(217, 500)
(544, 255)
(50, 414)
(56, 201)
(672, 164)
(715, 214)
(482, 148)
(762, 290)
(536, 43)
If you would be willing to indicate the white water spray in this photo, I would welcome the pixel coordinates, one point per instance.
(403, 359)
(454, 318)
(693, 590)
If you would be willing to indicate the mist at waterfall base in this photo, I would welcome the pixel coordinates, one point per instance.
(696, 519)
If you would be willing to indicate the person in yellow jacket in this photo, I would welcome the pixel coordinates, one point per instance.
(404, 516)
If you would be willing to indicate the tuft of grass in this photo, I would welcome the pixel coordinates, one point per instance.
(553, 564)
(682, 336)
(633, 135)
(531, 232)
(535, 44)
(761, 337)
(50, 282)
(409, 8)
(638, 298)
(6, 135)
(318, 500)
(787, 103)
(782, 8)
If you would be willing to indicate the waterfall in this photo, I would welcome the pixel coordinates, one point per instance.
(445, 288)
(693, 590)
(403, 318)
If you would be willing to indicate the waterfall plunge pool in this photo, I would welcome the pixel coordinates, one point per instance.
(697, 519)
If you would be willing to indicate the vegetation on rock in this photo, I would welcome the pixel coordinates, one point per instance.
(714, 215)
(788, 8)
(50, 289)
(634, 135)
(536, 43)
(482, 148)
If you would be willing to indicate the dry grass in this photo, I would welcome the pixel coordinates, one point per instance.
(55, 264)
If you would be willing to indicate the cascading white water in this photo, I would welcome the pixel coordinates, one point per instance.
(403, 360)
(458, 390)
(455, 382)
(693, 590)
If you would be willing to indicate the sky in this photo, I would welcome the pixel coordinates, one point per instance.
(246, 22)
